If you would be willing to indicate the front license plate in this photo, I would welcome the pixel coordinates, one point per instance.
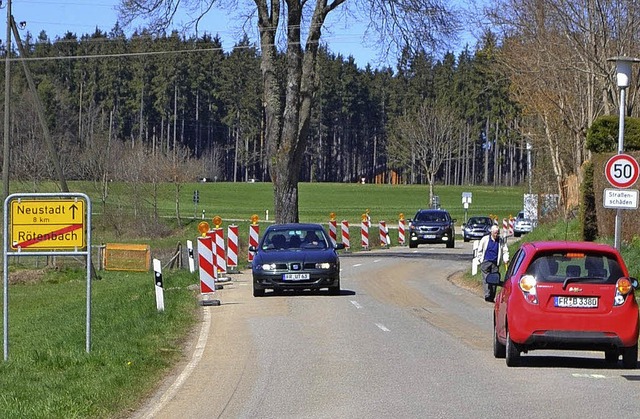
(429, 236)
(295, 277)
(576, 302)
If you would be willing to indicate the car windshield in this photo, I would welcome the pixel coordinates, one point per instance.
(557, 267)
(295, 239)
(437, 217)
(480, 220)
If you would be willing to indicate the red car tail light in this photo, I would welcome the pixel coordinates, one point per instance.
(624, 287)
(528, 286)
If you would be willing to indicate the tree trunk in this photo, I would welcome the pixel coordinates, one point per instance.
(286, 127)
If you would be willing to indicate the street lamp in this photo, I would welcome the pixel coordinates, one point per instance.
(623, 79)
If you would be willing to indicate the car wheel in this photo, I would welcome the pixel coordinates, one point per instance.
(258, 292)
(466, 239)
(413, 245)
(499, 350)
(451, 244)
(516, 234)
(611, 356)
(512, 352)
(630, 357)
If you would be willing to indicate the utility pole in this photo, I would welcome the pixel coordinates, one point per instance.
(39, 110)
(7, 100)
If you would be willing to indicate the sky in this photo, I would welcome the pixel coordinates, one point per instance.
(56, 17)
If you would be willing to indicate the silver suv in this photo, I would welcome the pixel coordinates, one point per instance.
(522, 225)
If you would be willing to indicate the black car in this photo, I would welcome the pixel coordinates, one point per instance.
(432, 226)
(295, 256)
(476, 228)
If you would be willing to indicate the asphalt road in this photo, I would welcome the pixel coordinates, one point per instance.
(402, 341)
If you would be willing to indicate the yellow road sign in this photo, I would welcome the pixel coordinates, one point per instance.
(47, 224)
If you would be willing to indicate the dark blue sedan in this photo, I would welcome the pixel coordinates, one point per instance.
(295, 256)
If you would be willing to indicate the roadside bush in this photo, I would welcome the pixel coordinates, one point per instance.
(602, 136)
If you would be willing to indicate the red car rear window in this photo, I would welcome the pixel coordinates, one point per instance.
(557, 267)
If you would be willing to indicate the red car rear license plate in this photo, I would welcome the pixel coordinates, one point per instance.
(576, 302)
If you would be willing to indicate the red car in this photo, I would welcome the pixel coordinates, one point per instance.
(566, 295)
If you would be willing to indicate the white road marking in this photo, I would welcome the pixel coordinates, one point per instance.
(598, 376)
(355, 304)
(188, 369)
(357, 264)
(382, 327)
(376, 260)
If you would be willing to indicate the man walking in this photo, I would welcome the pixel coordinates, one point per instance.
(489, 255)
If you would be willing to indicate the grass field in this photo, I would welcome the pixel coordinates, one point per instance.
(49, 374)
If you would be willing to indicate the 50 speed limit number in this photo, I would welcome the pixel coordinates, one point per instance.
(622, 170)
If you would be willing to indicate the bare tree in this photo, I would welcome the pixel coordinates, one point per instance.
(432, 135)
(555, 52)
(292, 29)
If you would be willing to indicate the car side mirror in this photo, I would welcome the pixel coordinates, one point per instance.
(253, 249)
(494, 279)
(634, 282)
(339, 246)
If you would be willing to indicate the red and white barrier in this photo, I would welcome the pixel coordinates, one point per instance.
(333, 226)
(219, 251)
(254, 235)
(384, 234)
(206, 265)
(232, 248)
(511, 223)
(505, 227)
(401, 229)
(364, 234)
(345, 234)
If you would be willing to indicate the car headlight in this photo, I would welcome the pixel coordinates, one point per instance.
(268, 266)
(323, 265)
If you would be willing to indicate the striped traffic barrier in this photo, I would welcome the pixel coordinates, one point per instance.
(384, 234)
(207, 271)
(219, 251)
(333, 227)
(401, 230)
(505, 227)
(345, 234)
(364, 234)
(511, 222)
(232, 248)
(206, 265)
(254, 236)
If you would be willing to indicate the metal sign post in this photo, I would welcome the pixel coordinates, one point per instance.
(45, 225)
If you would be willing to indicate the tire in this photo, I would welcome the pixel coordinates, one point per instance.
(499, 350)
(512, 352)
(466, 239)
(451, 244)
(516, 234)
(630, 357)
(412, 245)
(258, 292)
(611, 356)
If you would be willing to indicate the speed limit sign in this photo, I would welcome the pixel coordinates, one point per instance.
(622, 170)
